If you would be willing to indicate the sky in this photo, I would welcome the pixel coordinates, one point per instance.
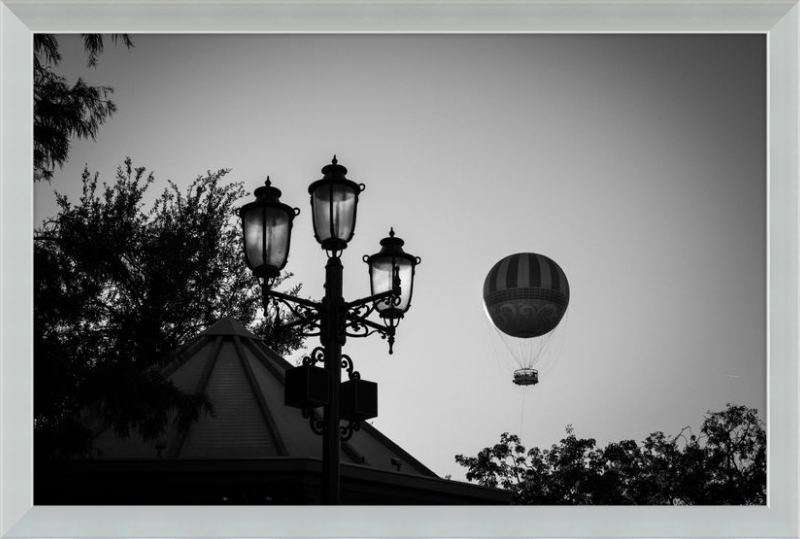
(636, 162)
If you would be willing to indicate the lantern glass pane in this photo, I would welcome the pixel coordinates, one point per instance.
(382, 280)
(266, 236)
(334, 209)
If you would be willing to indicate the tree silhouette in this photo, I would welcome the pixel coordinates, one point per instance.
(119, 288)
(62, 111)
(724, 465)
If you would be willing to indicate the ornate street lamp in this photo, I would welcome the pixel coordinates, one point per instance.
(267, 230)
(267, 225)
(334, 200)
(384, 267)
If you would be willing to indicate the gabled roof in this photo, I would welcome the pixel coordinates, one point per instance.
(244, 380)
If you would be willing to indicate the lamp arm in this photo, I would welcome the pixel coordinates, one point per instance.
(395, 292)
(372, 299)
(308, 312)
(356, 320)
(368, 327)
(311, 320)
(286, 297)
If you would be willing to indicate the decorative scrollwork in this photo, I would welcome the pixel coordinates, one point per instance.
(297, 309)
(317, 356)
(347, 363)
(348, 430)
(359, 326)
(305, 313)
(358, 330)
(317, 425)
(305, 316)
(363, 311)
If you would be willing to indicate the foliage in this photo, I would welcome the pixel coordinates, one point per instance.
(62, 111)
(118, 288)
(725, 464)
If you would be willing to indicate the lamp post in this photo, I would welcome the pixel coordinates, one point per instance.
(266, 227)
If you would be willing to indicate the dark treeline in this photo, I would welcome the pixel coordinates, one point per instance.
(725, 464)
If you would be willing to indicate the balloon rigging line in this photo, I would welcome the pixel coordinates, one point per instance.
(498, 353)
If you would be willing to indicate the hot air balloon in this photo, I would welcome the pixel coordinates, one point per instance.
(525, 296)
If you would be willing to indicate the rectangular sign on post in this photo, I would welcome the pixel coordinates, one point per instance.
(358, 400)
(306, 387)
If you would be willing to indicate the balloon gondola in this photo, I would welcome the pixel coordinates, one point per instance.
(526, 377)
(525, 296)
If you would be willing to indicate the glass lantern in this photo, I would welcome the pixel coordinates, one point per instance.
(334, 200)
(382, 268)
(267, 230)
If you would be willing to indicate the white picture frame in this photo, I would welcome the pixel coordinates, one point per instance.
(19, 19)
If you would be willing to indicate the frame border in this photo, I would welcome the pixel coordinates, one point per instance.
(780, 21)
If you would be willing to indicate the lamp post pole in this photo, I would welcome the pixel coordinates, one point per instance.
(266, 228)
(333, 340)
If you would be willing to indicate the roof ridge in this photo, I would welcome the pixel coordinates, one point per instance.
(229, 326)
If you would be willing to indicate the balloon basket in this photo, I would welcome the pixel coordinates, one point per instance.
(526, 377)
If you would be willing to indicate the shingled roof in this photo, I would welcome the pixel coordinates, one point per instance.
(244, 380)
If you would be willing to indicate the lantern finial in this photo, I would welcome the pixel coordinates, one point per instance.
(391, 232)
(334, 161)
(268, 191)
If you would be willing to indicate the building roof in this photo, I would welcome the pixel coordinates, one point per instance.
(253, 450)
(244, 380)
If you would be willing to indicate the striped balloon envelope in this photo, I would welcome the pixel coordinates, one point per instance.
(526, 296)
